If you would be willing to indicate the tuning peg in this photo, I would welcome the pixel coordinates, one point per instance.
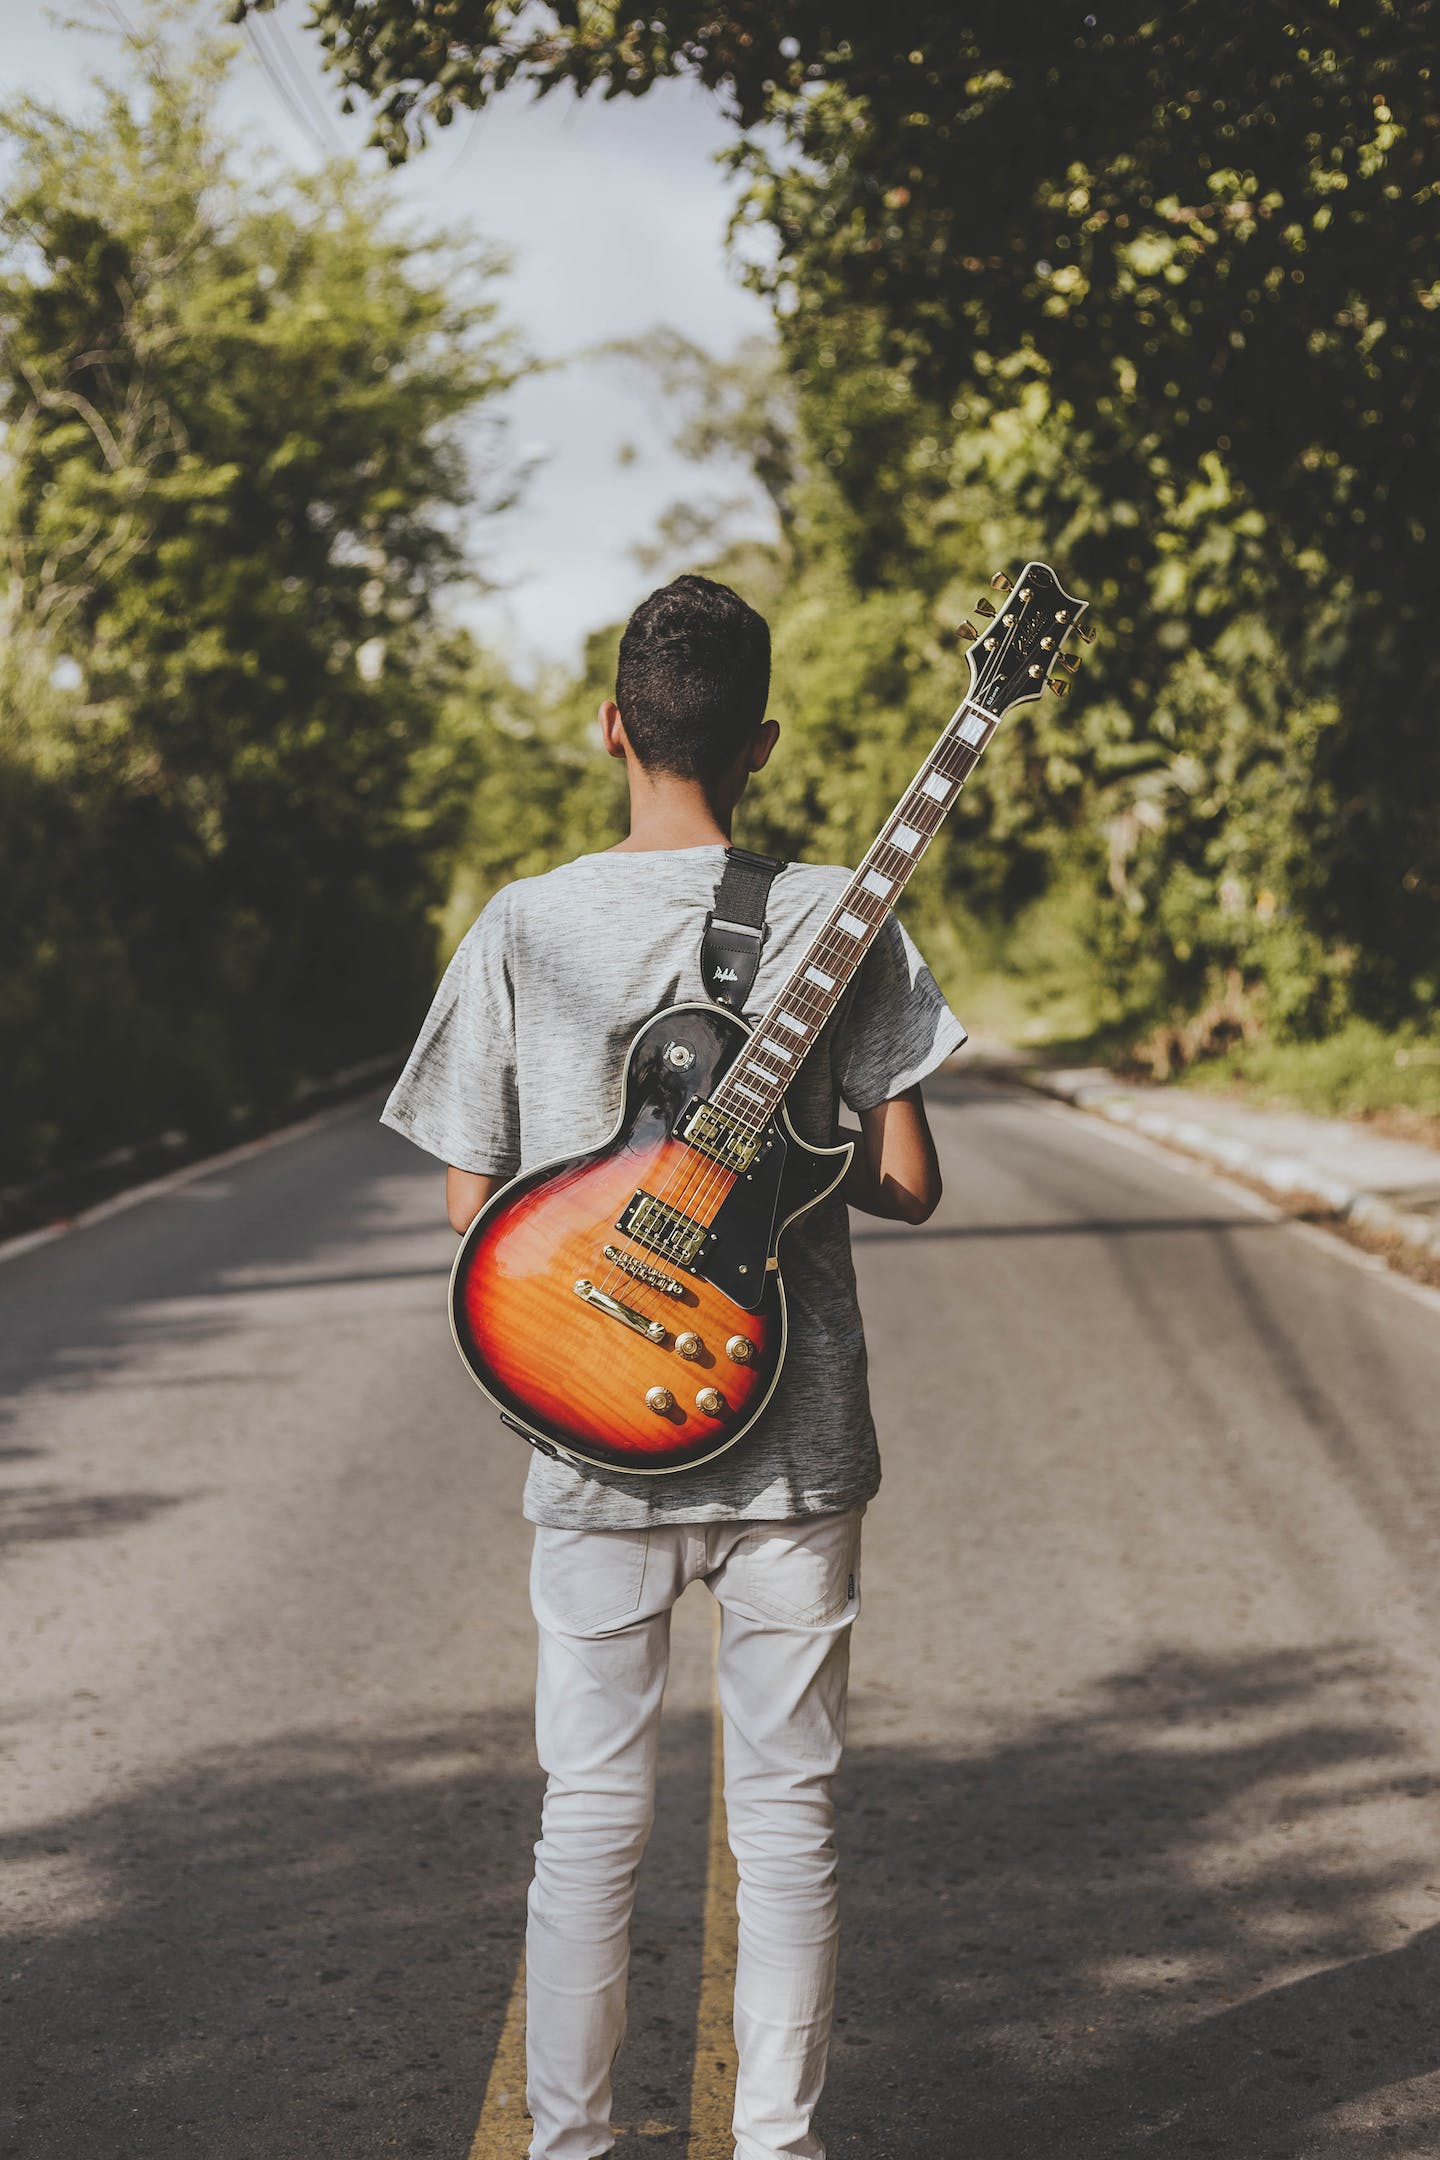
(1000, 583)
(968, 631)
(1087, 635)
(1059, 685)
(1072, 661)
(984, 607)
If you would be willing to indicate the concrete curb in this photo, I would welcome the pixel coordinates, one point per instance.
(152, 1164)
(1287, 1176)
(204, 1166)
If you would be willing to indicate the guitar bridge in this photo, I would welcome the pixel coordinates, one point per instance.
(665, 1229)
(643, 1271)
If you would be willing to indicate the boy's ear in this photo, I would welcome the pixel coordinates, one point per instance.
(764, 743)
(612, 729)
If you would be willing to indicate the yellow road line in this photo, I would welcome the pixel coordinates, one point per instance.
(504, 2130)
(712, 2090)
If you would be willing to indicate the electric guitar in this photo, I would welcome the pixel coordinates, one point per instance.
(625, 1308)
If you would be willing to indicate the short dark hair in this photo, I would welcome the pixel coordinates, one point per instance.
(693, 678)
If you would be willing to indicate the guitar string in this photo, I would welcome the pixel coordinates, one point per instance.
(694, 1181)
(698, 1178)
(887, 858)
(690, 1187)
(898, 862)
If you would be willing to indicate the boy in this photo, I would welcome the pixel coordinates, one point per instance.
(519, 1061)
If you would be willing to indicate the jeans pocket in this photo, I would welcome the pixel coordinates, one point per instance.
(587, 1579)
(804, 1572)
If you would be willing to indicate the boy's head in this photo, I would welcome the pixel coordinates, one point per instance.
(693, 678)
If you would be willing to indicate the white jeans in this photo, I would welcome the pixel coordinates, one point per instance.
(788, 1592)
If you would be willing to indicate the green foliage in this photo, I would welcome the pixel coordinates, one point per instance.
(1211, 231)
(1150, 295)
(1123, 851)
(234, 452)
(548, 791)
(1354, 1071)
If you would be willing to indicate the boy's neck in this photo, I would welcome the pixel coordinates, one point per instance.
(667, 812)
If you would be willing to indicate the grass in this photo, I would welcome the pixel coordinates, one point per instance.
(1361, 1071)
(1020, 1012)
(1390, 1078)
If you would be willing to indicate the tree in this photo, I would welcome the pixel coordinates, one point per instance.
(1169, 277)
(1227, 222)
(239, 427)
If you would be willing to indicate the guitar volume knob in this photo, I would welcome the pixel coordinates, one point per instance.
(740, 1350)
(710, 1401)
(689, 1345)
(660, 1400)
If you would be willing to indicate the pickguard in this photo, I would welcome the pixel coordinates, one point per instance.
(743, 1231)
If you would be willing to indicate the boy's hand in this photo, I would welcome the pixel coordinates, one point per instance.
(466, 1192)
(895, 1171)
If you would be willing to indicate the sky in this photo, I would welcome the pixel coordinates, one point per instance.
(614, 217)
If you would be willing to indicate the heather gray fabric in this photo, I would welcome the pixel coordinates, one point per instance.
(520, 1060)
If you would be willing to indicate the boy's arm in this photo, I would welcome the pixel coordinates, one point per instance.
(466, 1192)
(895, 1171)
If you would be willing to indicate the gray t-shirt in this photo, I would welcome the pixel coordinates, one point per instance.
(520, 1060)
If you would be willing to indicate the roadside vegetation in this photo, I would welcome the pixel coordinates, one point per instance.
(1158, 306)
(241, 415)
(1154, 296)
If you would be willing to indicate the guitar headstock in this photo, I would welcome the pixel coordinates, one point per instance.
(1014, 651)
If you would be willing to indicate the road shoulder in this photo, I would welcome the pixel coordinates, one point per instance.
(1378, 1192)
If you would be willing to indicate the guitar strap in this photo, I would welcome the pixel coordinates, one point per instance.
(735, 927)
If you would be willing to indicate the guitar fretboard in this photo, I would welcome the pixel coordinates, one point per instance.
(752, 1088)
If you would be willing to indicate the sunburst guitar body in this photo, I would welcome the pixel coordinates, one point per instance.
(625, 1307)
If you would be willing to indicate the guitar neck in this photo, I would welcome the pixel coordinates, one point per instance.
(752, 1089)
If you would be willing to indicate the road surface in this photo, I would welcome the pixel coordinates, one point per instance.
(1141, 1812)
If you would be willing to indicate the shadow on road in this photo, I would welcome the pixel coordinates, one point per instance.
(1169, 1918)
(1152, 1924)
(303, 1949)
(38, 1514)
(1100, 1227)
(100, 1313)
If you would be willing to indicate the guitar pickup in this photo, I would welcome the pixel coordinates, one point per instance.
(726, 1140)
(665, 1229)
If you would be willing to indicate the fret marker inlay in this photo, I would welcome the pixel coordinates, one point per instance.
(776, 1051)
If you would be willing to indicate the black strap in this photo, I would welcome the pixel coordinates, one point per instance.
(735, 926)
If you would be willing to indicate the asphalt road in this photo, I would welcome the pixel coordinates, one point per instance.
(1141, 1813)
